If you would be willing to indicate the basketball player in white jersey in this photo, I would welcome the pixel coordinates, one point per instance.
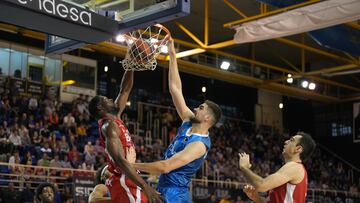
(289, 183)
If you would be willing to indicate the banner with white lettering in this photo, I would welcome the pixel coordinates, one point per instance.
(34, 88)
(83, 186)
(210, 193)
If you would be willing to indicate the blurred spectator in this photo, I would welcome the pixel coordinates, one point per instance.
(55, 162)
(27, 196)
(10, 194)
(64, 146)
(69, 120)
(33, 104)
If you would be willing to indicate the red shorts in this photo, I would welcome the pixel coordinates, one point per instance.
(123, 190)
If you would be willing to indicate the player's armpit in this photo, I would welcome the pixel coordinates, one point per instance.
(191, 152)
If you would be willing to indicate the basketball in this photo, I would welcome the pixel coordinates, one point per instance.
(141, 51)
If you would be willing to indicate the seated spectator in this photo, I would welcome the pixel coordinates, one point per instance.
(69, 120)
(46, 149)
(88, 148)
(37, 139)
(10, 194)
(28, 171)
(64, 146)
(15, 138)
(55, 162)
(44, 161)
(24, 136)
(33, 104)
(75, 162)
(15, 158)
(74, 153)
(98, 149)
(45, 193)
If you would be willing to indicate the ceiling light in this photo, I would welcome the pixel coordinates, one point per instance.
(312, 86)
(225, 65)
(290, 80)
(203, 89)
(304, 84)
(120, 38)
(281, 105)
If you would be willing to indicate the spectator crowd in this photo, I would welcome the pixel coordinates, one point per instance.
(48, 133)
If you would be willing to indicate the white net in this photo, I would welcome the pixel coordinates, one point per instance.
(144, 46)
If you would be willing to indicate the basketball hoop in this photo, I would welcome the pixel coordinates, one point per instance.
(144, 46)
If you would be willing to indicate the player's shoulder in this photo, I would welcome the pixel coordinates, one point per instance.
(108, 123)
(291, 167)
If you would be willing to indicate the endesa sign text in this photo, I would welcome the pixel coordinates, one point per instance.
(60, 9)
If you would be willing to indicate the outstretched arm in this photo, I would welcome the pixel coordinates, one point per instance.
(115, 150)
(191, 152)
(291, 171)
(175, 85)
(125, 89)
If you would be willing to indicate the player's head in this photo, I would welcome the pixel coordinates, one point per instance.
(45, 193)
(102, 174)
(301, 144)
(100, 105)
(208, 112)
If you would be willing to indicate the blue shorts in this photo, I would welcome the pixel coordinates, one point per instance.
(175, 194)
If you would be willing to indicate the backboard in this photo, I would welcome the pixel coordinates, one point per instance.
(128, 14)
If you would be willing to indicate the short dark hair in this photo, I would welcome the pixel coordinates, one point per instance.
(215, 110)
(98, 178)
(93, 106)
(308, 144)
(41, 187)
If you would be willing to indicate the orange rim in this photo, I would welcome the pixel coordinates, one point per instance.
(167, 36)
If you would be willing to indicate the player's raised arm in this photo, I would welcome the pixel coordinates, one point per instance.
(115, 150)
(175, 85)
(125, 89)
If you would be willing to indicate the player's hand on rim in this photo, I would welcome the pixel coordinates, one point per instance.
(171, 46)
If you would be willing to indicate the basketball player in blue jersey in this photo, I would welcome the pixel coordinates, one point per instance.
(188, 150)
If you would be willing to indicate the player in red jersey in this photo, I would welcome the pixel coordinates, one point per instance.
(289, 183)
(125, 186)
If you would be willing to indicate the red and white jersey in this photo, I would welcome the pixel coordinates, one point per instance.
(122, 189)
(125, 139)
(289, 193)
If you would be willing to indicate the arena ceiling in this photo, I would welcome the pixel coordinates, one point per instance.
(204, 39)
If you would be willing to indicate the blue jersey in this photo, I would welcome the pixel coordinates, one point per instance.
(181, 177)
